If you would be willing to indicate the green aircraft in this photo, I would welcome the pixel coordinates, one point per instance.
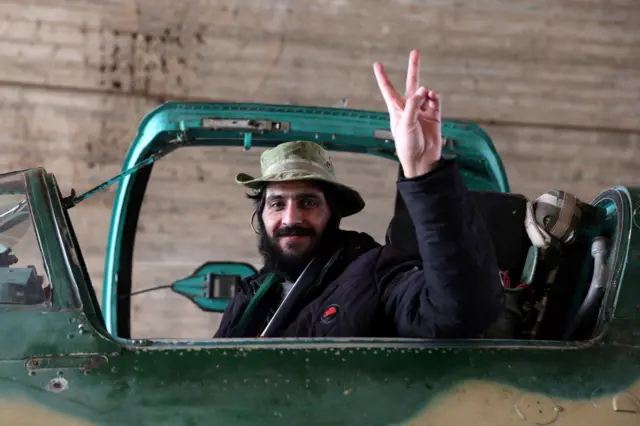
(565, 352)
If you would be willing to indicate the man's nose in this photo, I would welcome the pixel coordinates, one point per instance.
(292, 215)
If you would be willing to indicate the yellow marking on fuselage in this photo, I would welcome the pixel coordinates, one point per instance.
(26, 413)
(477, 403)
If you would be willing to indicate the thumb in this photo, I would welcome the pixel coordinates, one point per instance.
(413, 105)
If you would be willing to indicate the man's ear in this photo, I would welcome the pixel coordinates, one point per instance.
(253, 220)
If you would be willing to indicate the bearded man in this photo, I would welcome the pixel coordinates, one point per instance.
(321, 281)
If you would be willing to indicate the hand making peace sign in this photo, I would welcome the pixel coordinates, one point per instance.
(415, 120)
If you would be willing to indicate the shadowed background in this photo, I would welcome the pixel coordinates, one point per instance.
(555, 83)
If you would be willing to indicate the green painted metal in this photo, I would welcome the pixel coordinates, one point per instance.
(61, 363)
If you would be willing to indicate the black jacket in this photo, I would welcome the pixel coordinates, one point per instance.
(453, 291)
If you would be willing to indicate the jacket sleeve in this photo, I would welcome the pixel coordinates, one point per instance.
(231, 315)
(455, 291)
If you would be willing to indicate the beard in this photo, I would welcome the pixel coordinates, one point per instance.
(291, 264)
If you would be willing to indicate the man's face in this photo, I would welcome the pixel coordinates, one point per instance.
(293, 222)
(294, 216)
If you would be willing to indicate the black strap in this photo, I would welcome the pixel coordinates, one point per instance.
(250, 309)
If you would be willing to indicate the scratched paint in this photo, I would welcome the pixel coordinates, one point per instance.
(373, 386)
(477, 403)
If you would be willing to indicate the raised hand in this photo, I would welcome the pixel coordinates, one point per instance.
(415, 119)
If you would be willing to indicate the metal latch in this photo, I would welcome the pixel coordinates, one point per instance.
(383, 134)
(245, 125)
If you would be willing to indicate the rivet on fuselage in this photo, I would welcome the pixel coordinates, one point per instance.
(57, 385)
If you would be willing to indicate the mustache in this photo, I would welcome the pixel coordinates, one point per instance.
(290, 231)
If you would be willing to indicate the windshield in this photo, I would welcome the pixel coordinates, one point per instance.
(22, 277)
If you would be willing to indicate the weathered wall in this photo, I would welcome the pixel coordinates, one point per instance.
(556, 84)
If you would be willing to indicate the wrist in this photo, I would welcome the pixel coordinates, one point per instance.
(416, 170)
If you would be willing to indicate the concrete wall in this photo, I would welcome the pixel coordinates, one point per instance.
(555, 83)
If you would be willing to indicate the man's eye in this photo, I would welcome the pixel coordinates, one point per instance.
(276, 205)
(309, 202)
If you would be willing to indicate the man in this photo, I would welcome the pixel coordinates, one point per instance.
(346, 284)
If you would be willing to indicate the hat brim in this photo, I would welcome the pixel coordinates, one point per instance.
(349, 199)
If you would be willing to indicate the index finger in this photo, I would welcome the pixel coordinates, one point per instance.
(390, 95)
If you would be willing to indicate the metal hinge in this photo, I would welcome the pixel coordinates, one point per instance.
(80, 362)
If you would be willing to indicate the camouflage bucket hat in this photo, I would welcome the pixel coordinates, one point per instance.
(302, 160)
